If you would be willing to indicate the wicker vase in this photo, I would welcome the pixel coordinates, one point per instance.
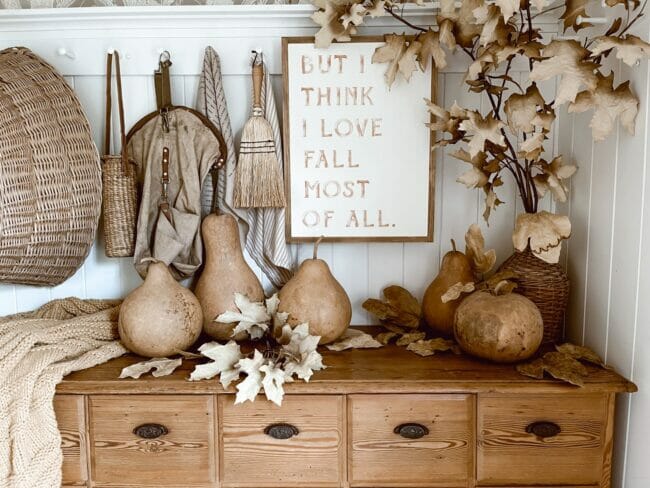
(546, 285)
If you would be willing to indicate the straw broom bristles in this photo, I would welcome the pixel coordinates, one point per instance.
(258, 180)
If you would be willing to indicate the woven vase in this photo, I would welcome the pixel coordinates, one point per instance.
(546, 285)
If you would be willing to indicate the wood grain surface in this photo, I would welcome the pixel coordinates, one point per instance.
(185, 456)
(507, 454)
(69, 410)
(386, 370)
(380, 457)
(314, 457)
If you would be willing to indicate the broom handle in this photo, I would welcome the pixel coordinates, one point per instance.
(258, 78)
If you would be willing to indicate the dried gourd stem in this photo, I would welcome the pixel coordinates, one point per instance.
(453, 245)
(318, 241)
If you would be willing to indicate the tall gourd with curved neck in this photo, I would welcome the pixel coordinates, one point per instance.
(160, 317)
(226, 273)
(313, 295)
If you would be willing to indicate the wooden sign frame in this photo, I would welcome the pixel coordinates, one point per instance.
(286, 41)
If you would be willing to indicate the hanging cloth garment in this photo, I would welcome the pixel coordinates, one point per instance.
(264, 227)
(172, 166)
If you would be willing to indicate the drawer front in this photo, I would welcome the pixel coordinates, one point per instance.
(177, 449)
(519, 441)
(69, 410)
(383, 454)
(310, 455)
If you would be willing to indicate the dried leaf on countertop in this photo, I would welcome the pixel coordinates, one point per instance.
(386, 337)
(559, 365)
(224, 362)
(161, 367)
(581, 353)
(354, 339)
(431, 346)
(407, 339)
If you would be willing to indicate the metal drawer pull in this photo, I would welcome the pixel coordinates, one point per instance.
(543, 429)
(281, 431)
(411, 431)
(150, 431)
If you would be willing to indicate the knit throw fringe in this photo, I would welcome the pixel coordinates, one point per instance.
(258, 181)
(37, 349)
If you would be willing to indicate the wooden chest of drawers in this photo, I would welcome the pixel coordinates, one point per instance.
(374, 418)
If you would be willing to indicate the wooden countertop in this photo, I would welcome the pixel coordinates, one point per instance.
(390, 369)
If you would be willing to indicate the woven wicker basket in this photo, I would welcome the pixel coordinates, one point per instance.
(546, 285)
(50, 181)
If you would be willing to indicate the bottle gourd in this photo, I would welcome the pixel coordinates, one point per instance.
(314, 296)
(160, 317)
(226, 273)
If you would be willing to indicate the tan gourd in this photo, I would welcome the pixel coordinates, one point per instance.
(226, 273)
(313, 295)
(501, 328)
(160, 317)
(439, 316)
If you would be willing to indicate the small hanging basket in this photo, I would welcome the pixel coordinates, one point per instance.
(50, 180)
(546, 285)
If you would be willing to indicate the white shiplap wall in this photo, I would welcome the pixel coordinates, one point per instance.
(608, 260)
(139, 34)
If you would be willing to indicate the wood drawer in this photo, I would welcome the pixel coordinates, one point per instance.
(381, 457)
(184, 456)
(69, 410)
(509, 455)
(313, 457)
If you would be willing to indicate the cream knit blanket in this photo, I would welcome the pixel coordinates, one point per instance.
(37, 349)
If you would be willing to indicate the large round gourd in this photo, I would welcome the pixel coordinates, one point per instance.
(226, 273)
(314, 296)
(160, 317)
(502, 328)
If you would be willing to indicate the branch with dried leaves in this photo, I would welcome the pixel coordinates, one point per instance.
(510, 137)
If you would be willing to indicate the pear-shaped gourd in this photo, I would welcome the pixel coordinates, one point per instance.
(439, 316)
(226, 273)
(160, 317)
(314, 296)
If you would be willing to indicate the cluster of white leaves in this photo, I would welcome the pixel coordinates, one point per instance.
(295, 357)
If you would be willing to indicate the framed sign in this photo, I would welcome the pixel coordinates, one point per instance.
(358, 162)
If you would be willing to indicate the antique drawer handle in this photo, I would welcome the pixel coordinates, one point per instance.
(150, 431)
(543, 429)
(281, 431)
(411, 431)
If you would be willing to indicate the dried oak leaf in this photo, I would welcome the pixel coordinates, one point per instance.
(467, 29)
(581, 353)
(272, 382)
(402, 299)
(475, 177)
(480, 130)
(573, 10)
(446, 20)
(407, 64)
(482, 261)
(386, 337)
(608, 104)
(252, 384)
(391, 52)
(301, 349)
(552, 178)
(522, 109)
(491, 201)
(354, 339)
(558, 365)
(543, 232)
(447, 121)
(494, 28)
(161, 367)
(431, 346)
(566, 58)
(329, 18)
(407, 339)
(456, 290)
(629, 49)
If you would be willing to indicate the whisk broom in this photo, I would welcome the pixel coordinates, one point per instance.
(258, 181)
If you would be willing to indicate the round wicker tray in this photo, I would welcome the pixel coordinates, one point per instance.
(50, 177)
